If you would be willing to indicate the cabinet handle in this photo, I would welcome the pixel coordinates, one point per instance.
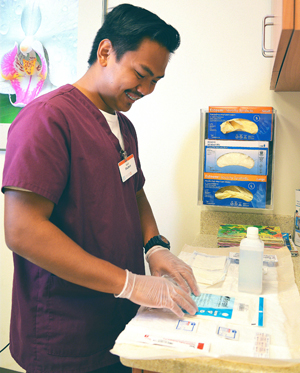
(268, 53)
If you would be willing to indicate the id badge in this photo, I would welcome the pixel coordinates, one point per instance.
(127, 168)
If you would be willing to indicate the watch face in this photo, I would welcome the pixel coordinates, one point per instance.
(164, 239)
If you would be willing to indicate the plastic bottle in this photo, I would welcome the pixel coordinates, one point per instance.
(251, 262)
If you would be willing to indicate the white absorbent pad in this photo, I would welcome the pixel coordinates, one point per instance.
(227, 324)
(208, 269)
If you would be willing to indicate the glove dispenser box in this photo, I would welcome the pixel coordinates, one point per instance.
(252, 123)
(237, 173)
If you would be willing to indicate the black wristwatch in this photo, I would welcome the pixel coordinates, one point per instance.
(157, 240)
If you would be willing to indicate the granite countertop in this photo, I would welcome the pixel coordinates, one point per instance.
(211, 365)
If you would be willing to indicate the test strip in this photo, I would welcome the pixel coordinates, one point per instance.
(261, 312)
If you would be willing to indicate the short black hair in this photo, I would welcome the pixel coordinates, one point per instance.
(126, 26)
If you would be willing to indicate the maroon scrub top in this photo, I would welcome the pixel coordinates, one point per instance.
(61, 147)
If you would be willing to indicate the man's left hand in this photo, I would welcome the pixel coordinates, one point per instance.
(163, 263)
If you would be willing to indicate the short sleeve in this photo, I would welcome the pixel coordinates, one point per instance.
(37, 155)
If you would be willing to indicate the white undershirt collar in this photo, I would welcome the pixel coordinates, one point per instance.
(113, 122)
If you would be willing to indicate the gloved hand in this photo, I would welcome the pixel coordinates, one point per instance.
(162, 262)
(157, 292)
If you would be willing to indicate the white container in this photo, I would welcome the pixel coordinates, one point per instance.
(251, 262)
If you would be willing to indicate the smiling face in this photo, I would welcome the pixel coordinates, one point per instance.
(134, 76)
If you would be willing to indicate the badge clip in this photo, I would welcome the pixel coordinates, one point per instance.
(123, 153)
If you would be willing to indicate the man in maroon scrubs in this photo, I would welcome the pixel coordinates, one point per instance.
(76, 215)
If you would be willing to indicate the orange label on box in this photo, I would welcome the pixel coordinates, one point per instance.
(241, 109)
(235, 177)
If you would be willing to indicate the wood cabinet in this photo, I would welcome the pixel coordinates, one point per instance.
(286, 44)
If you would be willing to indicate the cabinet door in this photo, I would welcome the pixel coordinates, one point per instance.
(289, 78)
(283, 11)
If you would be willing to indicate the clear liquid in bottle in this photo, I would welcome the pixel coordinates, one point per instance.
(251, 263)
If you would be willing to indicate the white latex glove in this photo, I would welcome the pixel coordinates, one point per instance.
(157, 292)
(163, 263)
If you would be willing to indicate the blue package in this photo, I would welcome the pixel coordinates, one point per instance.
(286, 239)
(214, 305)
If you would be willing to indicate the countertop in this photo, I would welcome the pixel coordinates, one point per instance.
(212, 365)
(207, 240)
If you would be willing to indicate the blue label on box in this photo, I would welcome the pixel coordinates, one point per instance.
(240, 126)
(234, 190)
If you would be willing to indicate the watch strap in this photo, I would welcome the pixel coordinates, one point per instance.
(157, 241)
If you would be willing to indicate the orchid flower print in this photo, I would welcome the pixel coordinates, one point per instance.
(39, 43)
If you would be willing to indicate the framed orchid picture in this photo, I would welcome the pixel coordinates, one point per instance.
(38, 51)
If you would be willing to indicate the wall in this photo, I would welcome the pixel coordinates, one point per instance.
(218, 63)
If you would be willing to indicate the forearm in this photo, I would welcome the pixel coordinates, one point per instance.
(51, 249)
(148, 223)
